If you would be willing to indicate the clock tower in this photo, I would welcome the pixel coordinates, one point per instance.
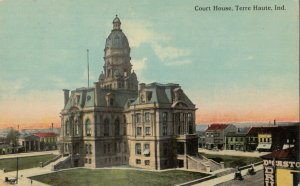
(117, 68)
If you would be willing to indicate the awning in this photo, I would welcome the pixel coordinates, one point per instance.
(264, 146)
(287, 146)
(146, 152)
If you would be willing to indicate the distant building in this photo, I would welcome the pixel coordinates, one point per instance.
(215, 135)
(201, 139)
(29, 142)
(237, 140)
(48, 140)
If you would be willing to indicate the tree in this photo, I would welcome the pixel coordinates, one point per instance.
(12, 137)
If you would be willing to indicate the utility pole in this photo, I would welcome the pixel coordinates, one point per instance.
(17, 170)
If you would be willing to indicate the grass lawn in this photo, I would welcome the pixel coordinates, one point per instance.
(117, 177)
(233, 161)
(24, 162)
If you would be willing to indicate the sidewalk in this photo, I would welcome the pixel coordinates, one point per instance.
(27, 154)
(233, 153)
(25, 173)
(23, 176)
(226, 178)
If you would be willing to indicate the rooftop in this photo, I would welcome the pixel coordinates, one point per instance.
(217, 126)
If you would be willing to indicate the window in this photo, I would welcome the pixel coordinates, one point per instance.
(146, 151)
(67, 128)
(147, 131)
(138, 148)
(108, 148)
(138, 161)
(86, 149)
(76, 128)
(260, 140)
(90, 161)
(90, 148)
(138, 118)
(147, 118)
(165, 149)
(165, 117)
(77, 99)
(147, 162)
(125, 126)
(106, 127)
(190, 123)
(139, 131)
(88, 127)
(117, 127)
(111, 101)
(104, 149)
(165, 130)
(125, 147)
(149, 96)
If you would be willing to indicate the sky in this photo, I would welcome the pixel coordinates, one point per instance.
(237, 66)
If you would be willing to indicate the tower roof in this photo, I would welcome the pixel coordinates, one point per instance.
(116, 38)
(116, 20)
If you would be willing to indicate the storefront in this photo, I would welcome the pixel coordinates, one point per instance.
(282, 168)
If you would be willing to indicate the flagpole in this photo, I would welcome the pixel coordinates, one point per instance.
(88, 67)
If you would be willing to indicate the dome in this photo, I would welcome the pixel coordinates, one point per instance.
(116, 20)
(116, 39)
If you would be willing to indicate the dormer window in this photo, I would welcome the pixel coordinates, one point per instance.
(77, 99)
(111, 102)
(149, 96)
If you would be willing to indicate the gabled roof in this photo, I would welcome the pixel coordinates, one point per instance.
(286, 154)
(217, 126)
(262, 130)
(45, 134)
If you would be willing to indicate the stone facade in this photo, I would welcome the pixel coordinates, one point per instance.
(116, 123)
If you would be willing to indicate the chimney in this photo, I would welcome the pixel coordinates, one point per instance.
(66, 96)
(274, 122)
(52, 127)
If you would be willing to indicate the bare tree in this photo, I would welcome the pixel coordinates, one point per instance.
(12, 137)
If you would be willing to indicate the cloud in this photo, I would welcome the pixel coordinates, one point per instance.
(169, 52)
(178, 63)
(141, 32)
(139, 64)
(250, 57)
(12, 87)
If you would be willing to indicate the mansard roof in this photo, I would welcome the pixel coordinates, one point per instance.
(164, 94)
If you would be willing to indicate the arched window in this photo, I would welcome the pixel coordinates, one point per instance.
(190, 123)
(88, 127)
(67, 127)
(106, 127)
(117, 127)
(124, 126)
(76, 127)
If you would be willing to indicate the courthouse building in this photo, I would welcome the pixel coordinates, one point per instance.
(121, 122)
